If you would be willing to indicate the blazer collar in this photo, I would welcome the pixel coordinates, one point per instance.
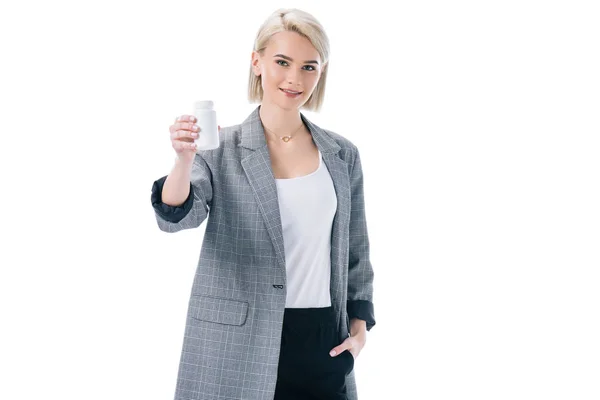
(253, 134)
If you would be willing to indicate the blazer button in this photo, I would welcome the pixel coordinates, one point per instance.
(278, 286)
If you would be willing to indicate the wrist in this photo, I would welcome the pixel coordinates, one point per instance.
(184, 162)
(357, 326)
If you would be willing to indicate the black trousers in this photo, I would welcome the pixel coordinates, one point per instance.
(306, 370)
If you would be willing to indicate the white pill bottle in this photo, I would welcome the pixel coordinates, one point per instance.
(207, 121)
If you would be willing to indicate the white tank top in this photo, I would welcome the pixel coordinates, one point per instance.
(307, 205)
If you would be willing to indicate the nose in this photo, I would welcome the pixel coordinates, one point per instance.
(293, 77)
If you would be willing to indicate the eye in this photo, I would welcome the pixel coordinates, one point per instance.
(313, 68)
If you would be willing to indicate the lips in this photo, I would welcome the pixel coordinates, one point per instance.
(290, 91)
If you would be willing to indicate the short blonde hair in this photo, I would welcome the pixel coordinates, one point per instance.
(303, 23)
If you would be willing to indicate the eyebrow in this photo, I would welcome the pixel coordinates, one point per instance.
(290, 59)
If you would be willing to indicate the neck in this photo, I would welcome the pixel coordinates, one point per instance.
(280, 121)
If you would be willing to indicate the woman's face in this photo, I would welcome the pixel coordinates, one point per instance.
(299, 72)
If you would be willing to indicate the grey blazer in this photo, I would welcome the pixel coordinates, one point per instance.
(237, 301)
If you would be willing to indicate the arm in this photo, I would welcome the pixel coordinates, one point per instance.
(173, 217)
(360, 272)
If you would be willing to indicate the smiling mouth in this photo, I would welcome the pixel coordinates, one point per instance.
(296, 93)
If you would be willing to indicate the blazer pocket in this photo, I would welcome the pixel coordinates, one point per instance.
(218, 310)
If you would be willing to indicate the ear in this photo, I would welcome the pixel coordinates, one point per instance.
(255, 63)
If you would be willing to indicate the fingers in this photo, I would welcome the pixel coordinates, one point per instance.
(183, 122)
(346, 345)
(184, 129)
(190, 126)
(184, 134)
(180, 145)
(339, 349)
(185, 118)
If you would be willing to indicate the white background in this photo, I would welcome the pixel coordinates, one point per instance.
(478, 127)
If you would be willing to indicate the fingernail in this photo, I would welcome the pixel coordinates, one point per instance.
(332, 353)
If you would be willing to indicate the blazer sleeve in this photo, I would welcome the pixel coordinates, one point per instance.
(196, 207)
(360, 271)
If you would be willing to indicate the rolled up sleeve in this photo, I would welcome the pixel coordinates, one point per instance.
(196, 207)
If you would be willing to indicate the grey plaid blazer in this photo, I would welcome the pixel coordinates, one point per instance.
(237, 301)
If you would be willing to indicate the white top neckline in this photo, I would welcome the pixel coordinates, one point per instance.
(304, 176)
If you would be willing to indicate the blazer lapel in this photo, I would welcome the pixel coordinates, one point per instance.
(257, 166)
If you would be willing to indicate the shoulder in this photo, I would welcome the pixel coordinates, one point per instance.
(342, 141)
(348, 150)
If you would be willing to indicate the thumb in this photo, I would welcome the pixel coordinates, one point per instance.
(339, 348)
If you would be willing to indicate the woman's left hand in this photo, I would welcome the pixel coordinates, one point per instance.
(353, 344)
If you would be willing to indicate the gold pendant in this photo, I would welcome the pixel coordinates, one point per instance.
(286, 138)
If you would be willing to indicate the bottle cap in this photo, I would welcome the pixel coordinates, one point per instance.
(206, 104)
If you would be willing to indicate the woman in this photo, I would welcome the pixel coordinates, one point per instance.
(284, 275)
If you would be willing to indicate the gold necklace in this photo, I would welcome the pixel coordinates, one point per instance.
(285, 138)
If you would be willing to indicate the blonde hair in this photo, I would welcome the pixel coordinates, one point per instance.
(303, 23)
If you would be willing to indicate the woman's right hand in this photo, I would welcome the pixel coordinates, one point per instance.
(183, 133)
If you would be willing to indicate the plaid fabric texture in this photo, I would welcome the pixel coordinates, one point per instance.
(237, 300)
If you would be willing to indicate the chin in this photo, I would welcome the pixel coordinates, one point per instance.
(283, 104)
(288, 105)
